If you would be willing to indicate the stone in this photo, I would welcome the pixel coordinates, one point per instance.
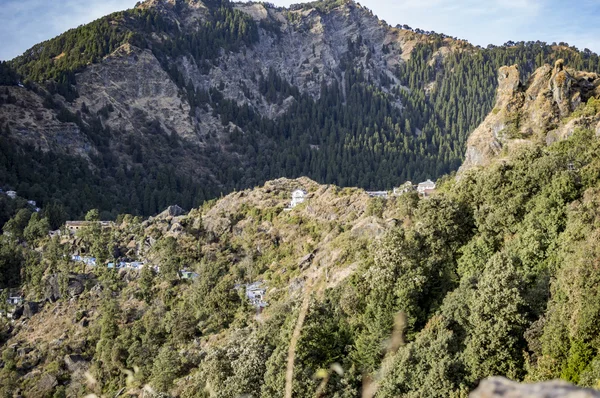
(46, 384)
(51, 288)
(306, 260)
(75, 363)
(30, 308)
(500, 387)
(171, 211)
(75, 287)
(18, 312)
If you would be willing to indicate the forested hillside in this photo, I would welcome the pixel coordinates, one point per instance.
(407, 296)
(178, 102)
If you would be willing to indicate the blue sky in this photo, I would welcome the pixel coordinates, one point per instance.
(27, 22)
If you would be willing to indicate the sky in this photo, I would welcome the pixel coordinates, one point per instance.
(481, 22)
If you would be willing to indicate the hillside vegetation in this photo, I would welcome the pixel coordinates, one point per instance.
(492, 275)
(190, 100)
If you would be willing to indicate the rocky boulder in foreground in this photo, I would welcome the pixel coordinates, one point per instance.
(496, 387)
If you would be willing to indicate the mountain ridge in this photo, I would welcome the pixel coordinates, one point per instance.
(230, 99)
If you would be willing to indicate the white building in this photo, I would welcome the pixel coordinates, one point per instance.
(255, 292)
(298, 196)
(426, 187)
(15, 299)
(32, 202)
(378, 194)
(11, 194)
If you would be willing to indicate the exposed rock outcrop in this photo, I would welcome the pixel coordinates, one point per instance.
(542, 110)
(74, 287)
(499, 387)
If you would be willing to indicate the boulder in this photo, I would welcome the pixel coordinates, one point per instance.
(52, 288)
(171, 211)
(499, 387)
(75, 363)
(75, 287)
(18, 312)
(46, 384)
(305, 261)
(30, 308)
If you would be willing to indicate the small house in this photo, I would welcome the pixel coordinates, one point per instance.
(11, 194)
(255, 292)
(188, 275)
(15, 299)
(425, 188)
(32, 203)
(74, 226)
(298, 196)
(378, 194)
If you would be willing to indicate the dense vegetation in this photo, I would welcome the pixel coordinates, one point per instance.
(492, 276)
(354, 134)
(8, 77)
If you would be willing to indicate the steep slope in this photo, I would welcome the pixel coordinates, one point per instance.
(550, 106)
(404, 296)
(197, 99)
(244, 237)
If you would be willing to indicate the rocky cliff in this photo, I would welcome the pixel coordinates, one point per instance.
(499, 387)
(548, 107)
(182, 100)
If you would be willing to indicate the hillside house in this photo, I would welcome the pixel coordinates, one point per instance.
(188, 275)
(91, 261)
(74, 226)
(255, 292)
(32, 203)
(298, 196)
(378, 194)
(426, 188)
(15, 299)
(11, 194)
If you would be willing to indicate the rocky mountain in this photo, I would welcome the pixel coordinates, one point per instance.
(550, 106)
(179, 101)
(344, 294)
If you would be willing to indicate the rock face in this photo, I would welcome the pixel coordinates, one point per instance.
(75, 286)
(171, 211)
(134, 83)
(30, 308)
(499, 387)
(145, 108)
(532, 112)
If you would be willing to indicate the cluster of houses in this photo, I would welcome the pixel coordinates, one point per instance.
(13, 195)
(91, 261)
(424, 189)
(132, 265)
